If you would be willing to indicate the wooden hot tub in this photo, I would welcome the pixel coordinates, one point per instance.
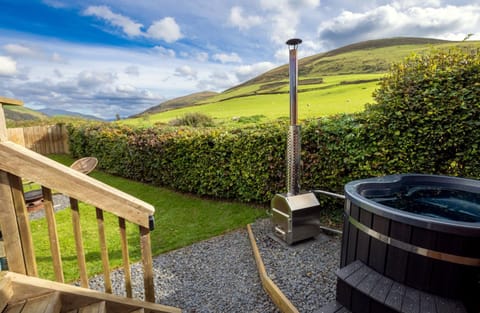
(422, 231)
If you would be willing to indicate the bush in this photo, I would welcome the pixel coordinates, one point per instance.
(426, 120)
(194, 120)
(427, 115)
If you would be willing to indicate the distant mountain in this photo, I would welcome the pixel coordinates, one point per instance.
(59, 112)
(180, 102)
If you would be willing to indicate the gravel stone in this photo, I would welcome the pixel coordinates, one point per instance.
(60, 202)
(220, 275)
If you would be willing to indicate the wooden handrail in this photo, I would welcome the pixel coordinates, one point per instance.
(10, 101)
(27, 164)
(19, 239)
(17, 162)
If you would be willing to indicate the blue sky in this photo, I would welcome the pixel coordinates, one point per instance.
(121, 56)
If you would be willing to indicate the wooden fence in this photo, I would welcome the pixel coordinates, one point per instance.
(41, 139)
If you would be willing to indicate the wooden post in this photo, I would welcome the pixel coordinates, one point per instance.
(146, 249)
(23, 224)
(3, 123)
(53, 234)
(77, 233)
(8, 218)
(8, 224)
(104, 251)
(126, 259)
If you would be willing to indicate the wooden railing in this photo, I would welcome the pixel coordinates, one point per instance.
(17, 162)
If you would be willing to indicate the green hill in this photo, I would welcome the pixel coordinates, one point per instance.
(341, 80)
(21, 113)
(180, 102)
(21, 116)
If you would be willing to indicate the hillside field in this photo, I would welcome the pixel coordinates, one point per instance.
(336, 94)
(338, 81)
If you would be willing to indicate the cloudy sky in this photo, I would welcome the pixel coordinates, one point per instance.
(111, 57)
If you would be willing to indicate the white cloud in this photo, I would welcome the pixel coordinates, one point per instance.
(202, 56)
(129, 27)
(19, 50)
(217, 81)
(8, 66)
(238, 19)
(125, 88)
(92, 80)
(56, 57)
(55, 4)
(58, 73)
(164, 51)
(246, 72)
(310, 4)
(398, 20)
(165, 29)
(284, 17)
(186, 71)
(405, 4)
(132, 70)
(227, 58)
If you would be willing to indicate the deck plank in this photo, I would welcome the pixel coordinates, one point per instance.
(411, 301)
(348, 270)
(332, 307)
(358, 276)
(367, 285)
(395, 296)
(427, 303)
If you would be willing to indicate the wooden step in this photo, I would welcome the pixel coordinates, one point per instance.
(98, 307)
(48, 303)
(361, 289)
(71, 298)
(6, 292)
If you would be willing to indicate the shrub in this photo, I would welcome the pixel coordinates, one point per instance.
(427, 115)
(195, 119)
(426, 120)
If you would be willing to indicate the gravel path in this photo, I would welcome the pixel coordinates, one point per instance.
(219, 274)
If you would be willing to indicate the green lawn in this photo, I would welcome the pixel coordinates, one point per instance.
(180, 220)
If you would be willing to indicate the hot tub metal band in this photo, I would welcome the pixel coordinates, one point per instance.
(412, 248)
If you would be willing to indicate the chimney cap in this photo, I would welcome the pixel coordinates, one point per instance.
(294, 41)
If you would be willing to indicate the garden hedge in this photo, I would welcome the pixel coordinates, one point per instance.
(425, 119)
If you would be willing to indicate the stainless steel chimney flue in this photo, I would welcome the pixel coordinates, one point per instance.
(293, 142)
(295, 215)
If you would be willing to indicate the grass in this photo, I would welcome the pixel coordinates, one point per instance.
(265, 94)
(180, 220)
(315, 100)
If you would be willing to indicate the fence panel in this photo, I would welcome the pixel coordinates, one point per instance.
(41, 139)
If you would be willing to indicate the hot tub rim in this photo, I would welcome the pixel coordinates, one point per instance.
(353, 189)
